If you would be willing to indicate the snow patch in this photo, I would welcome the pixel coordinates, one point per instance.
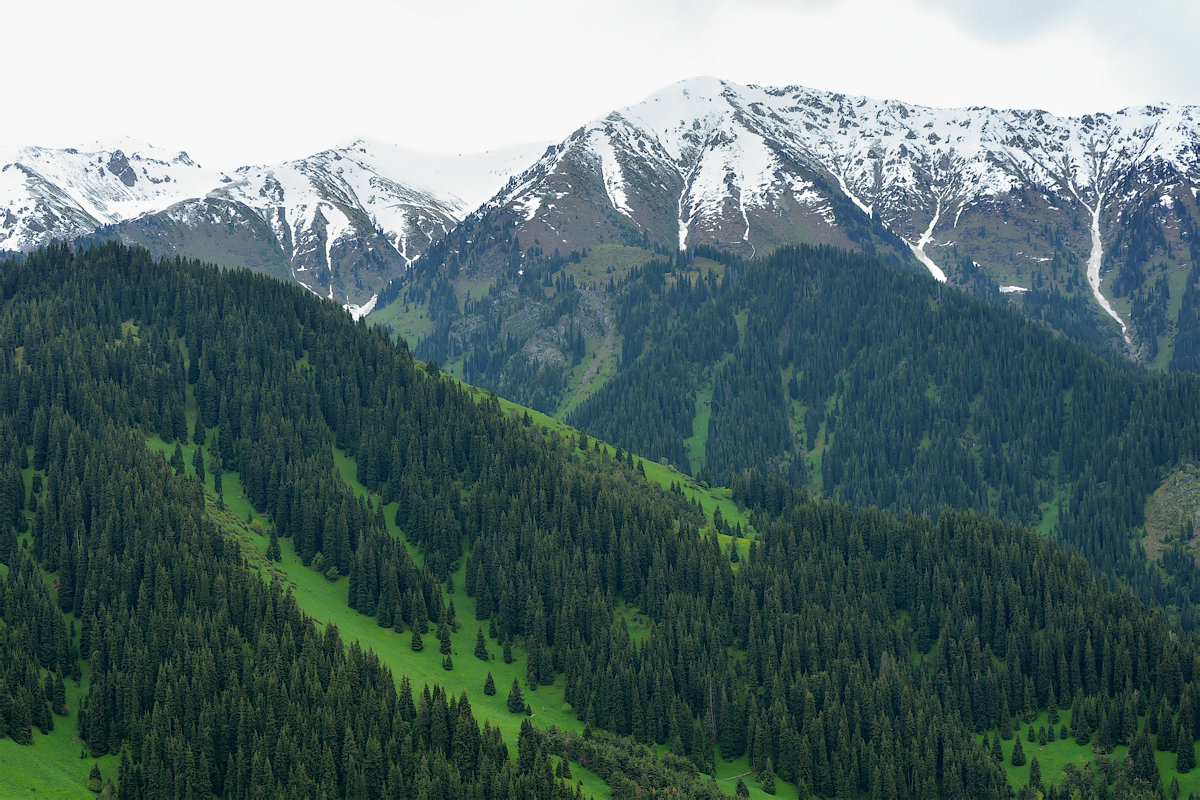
(610, 171)
(358, 312)
(1095, 259)
(1013, 289)
(919, 248)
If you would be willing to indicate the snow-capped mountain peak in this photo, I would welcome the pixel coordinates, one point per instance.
(342, 221)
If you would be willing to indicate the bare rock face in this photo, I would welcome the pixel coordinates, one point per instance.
(120, 167)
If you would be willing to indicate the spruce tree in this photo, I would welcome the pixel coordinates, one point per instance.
(489, 686)
(481, 651)
(516, 699)
(768, 780)
(1185, 750)
(1018, 754)
(1142, 766)
(95, 782)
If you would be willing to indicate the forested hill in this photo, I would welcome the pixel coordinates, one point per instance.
(843, 653)
(882, 387)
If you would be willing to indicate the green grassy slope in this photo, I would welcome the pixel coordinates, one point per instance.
(327, 603)
(1053, 757)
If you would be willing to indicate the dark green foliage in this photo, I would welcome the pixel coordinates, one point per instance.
(1018, 753)
(798, 659)
(924, 399)
(1035, 773)
(206, 679)
(481, 651)
(1142, 768)
(516, 699)
(768, 778)
(489, 686)
(1185, 750)
(95, 782)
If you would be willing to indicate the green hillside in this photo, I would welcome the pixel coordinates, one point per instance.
(878, 387)
(254, 507)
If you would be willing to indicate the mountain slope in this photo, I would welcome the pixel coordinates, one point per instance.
(882, 388)
(1085, 222)
(843, 653)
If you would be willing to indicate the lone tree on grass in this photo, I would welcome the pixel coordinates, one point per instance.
(1018, 755)
(1185, 750)
(481, 651)
(516, 699)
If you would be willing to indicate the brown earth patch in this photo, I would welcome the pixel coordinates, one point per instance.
(1174, 504)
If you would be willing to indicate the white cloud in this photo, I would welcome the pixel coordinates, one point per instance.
(259, 80)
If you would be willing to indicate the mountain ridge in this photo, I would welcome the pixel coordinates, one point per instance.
(740, 161)
(351, 216)
(1093, 214)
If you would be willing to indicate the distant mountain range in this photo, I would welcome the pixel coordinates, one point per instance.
(342, 222)
(1087, 222)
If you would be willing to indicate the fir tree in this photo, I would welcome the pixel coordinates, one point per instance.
(1185, 751)
(516, 699)
(481, 651)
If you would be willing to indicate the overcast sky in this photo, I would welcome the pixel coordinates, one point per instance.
(253, 81)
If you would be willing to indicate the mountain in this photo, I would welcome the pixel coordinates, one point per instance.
(48, 193)
(342, 222)
(182, 609)
(1087, 222)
